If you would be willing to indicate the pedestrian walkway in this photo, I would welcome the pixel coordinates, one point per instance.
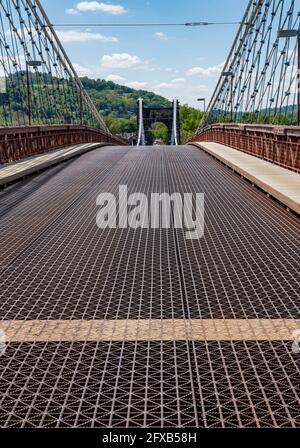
(11, 172)
(279, 182)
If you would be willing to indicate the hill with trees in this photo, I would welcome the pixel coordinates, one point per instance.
(51, 100)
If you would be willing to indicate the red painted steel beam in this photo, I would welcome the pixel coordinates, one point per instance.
(19, 142)
(276, 144)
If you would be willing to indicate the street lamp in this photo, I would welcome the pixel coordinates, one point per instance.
(286, 34)
(202, 100)
(34, 64)
(230, 74)
(81, 107)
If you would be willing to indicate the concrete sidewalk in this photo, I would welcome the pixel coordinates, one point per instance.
(11, 172)
(281, 183)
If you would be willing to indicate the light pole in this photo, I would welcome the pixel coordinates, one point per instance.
(81, 108)
(230, 75)
(33, 64)
(286, 34)
(202, 100)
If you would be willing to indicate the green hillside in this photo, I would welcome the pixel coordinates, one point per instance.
(121, 100)
(116, 103)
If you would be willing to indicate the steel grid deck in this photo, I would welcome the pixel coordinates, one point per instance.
(57, 265)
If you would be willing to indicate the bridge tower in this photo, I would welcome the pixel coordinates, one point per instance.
(169, 116)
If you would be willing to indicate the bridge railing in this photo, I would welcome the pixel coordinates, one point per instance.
(276, 144)
(19, 142)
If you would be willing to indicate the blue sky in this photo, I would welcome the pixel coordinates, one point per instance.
(174, 62)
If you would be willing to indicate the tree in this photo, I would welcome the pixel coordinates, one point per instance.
(159, 131)
(189, 121)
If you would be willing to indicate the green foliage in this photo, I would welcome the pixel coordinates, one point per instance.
(53, 100)
(120, 100)
(120, 126)
(278, 119)
(159, 131)
(262, 117)
(189, 121)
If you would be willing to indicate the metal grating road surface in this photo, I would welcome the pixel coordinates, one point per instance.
(57, 266)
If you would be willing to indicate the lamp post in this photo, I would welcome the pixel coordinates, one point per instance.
(202, 100)
(33, 64)
(81, 107)
(230, 75)
(286, 34)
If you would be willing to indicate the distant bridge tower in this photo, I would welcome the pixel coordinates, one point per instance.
(141, 140)
(147, 116)
(175, 138)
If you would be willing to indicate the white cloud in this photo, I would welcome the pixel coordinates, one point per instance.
(185, 92)
(72, 12)
(115, 78)
(178, 80)
(120, 60)
(137, 85)
(165, 85)
(209, 71)
(83, 36)
(160, 35)
(102, 7)
(82, 71)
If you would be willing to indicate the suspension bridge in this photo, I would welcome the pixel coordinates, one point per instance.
(142, 327)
